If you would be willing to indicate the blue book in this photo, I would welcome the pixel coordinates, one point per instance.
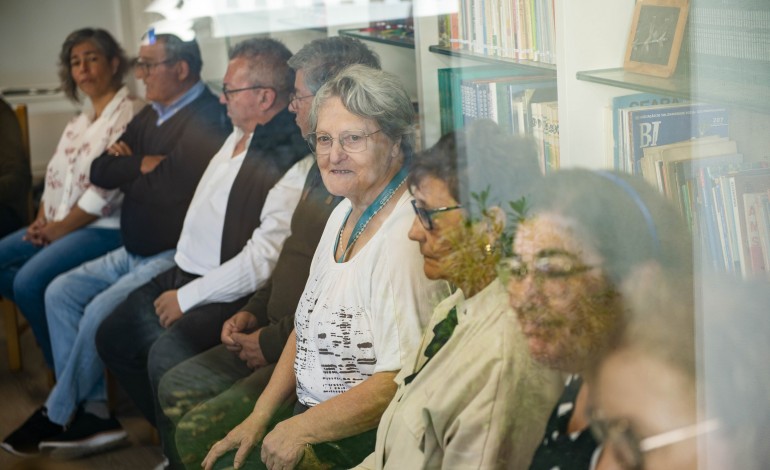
(652, 126)
(633, 101)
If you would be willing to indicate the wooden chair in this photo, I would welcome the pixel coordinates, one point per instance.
(13, 330)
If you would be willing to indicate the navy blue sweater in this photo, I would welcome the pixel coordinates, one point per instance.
(155, 204)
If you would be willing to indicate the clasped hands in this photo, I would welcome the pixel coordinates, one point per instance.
(245, 345)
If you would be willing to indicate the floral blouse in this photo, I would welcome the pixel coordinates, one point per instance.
(67, 180)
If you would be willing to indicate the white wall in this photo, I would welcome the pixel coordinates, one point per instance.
(32, 31)
(31, 34)
(591, 34)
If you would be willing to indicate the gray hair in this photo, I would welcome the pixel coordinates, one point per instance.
(105, 43)
(322, 59)
(481, 158)
(187, 51)
(267, 63)
(372, 94)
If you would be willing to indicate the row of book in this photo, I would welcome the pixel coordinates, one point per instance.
(521, 103)
(516, 29)
(663, 120)
(685, 151)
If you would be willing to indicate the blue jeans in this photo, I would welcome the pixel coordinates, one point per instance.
(77, 302)
(27, 269)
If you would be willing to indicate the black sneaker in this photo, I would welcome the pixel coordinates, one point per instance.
(87, 434)
(24, 441)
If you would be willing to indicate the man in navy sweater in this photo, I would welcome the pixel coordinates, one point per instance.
(157, 164)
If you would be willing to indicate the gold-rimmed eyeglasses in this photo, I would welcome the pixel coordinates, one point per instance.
(352, 141)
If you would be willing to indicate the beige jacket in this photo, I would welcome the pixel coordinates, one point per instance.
(481, 402)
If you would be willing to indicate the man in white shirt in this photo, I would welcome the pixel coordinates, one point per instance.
(232, 234)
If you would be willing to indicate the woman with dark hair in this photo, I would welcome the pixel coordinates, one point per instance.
(76, 221)
(491, 413)
(584, 235)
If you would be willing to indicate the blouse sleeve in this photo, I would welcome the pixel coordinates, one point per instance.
(95, 200)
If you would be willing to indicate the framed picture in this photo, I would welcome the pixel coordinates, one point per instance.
(656, 36)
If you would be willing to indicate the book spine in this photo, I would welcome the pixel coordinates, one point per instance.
(454, 37)
(740, 235)
(764, 230)
(752, 208)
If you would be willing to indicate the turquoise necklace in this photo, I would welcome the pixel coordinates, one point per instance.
(370, 212)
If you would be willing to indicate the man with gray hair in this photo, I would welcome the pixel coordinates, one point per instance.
(232, 235)
(227, 379)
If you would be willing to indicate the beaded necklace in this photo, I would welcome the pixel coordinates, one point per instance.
(368, 214)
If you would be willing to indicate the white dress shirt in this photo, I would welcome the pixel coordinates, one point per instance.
(199, 247)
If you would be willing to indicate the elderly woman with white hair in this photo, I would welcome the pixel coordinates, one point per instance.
(360, 314)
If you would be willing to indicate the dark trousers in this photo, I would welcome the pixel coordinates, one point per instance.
(206, 397)
(138, 351)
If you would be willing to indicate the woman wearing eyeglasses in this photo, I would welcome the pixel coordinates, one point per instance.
(469, 396)
(76, 221)
(583, 236)
(364, 305)
(664, 399)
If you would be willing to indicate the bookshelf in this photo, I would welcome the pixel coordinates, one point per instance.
(391, 39)
(750, 96)
(508, 62)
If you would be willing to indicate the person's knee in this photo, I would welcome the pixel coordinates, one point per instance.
(56, 292)
(164, 354)
(28, 291)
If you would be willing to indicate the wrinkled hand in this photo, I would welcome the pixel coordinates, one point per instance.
(167, 308)
(34, 234)
(251, 351)
(283, 447)
(149, 162)
(243, 437)
(119, 149)
(238, 323)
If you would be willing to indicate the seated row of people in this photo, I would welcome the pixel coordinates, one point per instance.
(407, 310)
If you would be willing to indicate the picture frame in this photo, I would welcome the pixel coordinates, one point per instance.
(656, 37)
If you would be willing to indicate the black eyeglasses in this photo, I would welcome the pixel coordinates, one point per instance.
(547, 265)
(426, 215)
(227, 92)
(293, 97)
(629, 449)
(147, 67)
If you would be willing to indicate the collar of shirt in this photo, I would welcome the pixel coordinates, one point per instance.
(166, 112)
(88, 108)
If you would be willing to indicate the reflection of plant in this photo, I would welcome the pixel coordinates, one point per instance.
(477, 245)
(654, 37)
